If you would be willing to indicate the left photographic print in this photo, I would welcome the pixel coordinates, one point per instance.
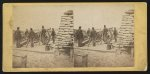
(36, 37)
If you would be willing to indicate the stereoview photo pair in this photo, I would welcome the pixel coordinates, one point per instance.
(53, 37)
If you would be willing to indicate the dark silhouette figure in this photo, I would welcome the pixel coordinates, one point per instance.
(31, 38)
(115, 34)
(18, 37)
(93, 37)
(53, 34)
(26, 34)
(79, 37)
(88, 32)
(43, 35)
(105, 33)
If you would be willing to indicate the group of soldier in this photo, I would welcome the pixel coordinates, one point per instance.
(30, 36)
(92, 35)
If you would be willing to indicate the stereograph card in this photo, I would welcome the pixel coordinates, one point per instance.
(74, 36)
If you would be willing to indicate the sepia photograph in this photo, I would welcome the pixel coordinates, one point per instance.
(72, 36)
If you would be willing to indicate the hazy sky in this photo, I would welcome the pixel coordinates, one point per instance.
(85, 16)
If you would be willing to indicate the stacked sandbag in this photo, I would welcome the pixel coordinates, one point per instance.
(126, 32)
(65, 32)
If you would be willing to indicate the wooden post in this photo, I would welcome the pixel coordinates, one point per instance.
(24, 61)
(85, 60)
(74, 61)
(72, 54)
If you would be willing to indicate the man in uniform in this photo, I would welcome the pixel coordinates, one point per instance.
(79, 37)
(105, 32)
(18, 37)
(43, 34)
(31, 37)
(93, 36)
(53, 34)
(88, 32)
(26, 33)
(115, 34)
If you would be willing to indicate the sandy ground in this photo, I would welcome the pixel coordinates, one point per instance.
(107, 59)
(98, 56)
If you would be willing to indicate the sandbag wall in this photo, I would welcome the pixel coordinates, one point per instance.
(65, 32)
(126, 32)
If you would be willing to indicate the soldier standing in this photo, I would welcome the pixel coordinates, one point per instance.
(43, 35)
(93, 36)
(31, 37)
(79, 37)
(18, 37)
(105, 31)
(27, 36)
(53, 34)
(88, 32)
(115, 34)
(26, 33)
(43, 31)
